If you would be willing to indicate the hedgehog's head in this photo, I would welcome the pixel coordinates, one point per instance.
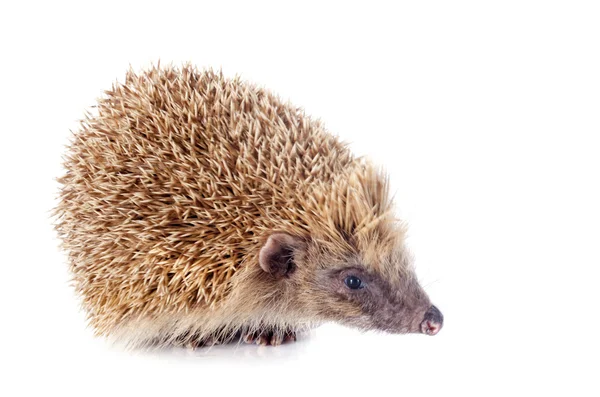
(367, 284)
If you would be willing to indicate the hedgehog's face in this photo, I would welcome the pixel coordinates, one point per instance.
(347, 291)
(363, 298)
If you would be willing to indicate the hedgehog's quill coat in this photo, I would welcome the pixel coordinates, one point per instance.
(176, 183)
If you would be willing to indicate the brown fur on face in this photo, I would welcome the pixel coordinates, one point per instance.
(173, 189)
(315, 281)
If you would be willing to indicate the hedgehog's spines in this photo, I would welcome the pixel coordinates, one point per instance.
(172, 186)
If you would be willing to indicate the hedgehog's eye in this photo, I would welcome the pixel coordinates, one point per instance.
(353, 282)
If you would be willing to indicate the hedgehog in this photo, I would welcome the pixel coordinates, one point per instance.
(197, 209)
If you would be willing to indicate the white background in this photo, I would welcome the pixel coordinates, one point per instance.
(486, 115)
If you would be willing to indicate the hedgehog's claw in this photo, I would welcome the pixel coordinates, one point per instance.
(249, 337)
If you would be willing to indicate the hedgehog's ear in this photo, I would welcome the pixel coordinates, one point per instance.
(276, 257)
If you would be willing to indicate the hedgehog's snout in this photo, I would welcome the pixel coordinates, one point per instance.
(432, 321)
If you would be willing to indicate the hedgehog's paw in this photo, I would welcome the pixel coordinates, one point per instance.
(268, 337)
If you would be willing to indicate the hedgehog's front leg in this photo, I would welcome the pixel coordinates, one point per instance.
(269, 336)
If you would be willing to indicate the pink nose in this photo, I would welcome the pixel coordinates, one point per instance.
(432, 321)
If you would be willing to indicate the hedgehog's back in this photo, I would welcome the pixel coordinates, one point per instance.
(171, 186)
